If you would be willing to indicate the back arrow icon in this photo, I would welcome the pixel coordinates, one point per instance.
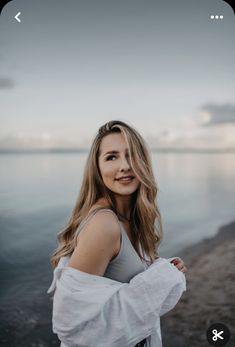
(17, 17)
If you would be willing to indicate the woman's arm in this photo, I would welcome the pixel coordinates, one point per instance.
(98, 243)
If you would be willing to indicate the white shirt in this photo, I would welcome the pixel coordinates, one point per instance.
(95, 311)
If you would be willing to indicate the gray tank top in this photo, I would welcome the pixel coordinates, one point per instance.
(127, 263)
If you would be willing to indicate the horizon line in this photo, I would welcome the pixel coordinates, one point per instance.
(85, 150)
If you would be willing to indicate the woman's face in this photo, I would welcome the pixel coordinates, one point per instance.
(114, 165)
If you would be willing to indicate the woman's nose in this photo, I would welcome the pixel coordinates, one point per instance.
(124, 165)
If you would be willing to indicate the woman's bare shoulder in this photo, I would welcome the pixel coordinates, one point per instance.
(98, 243)
(103, 219)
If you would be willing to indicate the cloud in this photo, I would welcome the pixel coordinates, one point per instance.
(6, 83)
(212, 114)
(195, 137)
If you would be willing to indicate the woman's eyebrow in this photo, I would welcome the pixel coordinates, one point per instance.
(114, 152)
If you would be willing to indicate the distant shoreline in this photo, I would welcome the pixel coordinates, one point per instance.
(86, 150)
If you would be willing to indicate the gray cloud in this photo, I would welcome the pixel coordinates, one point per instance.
(6, 83)
(217, 114)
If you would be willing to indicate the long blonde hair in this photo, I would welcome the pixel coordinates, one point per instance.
(145, 221)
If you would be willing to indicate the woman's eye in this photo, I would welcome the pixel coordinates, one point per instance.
(111, 157)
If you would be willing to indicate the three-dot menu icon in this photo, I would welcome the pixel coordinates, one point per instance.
(217, 17)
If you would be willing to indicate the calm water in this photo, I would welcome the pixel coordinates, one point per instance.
(38, 191)
(196, 193)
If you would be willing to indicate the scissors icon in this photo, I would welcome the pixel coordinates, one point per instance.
(217, 335)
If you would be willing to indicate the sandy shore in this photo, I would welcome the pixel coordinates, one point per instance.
(210, 295)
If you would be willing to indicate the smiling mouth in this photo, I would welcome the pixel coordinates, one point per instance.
(125, 179)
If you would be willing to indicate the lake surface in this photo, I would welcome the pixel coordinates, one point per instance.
(196, 192)
(37, 193)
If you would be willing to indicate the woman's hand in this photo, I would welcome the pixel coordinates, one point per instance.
(179, 264)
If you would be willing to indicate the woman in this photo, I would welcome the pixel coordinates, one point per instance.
(114, 232)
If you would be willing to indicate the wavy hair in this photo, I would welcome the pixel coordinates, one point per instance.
(145, 218)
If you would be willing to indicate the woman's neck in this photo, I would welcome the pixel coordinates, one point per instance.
(124, 207)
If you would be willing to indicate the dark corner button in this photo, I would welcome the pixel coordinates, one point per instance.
(3, 3)
(218, 334)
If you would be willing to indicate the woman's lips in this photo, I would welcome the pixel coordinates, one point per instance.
(125, 179)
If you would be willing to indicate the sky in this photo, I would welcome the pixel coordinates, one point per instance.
(165, 67)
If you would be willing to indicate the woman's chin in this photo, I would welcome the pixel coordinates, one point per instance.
(124, 191)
